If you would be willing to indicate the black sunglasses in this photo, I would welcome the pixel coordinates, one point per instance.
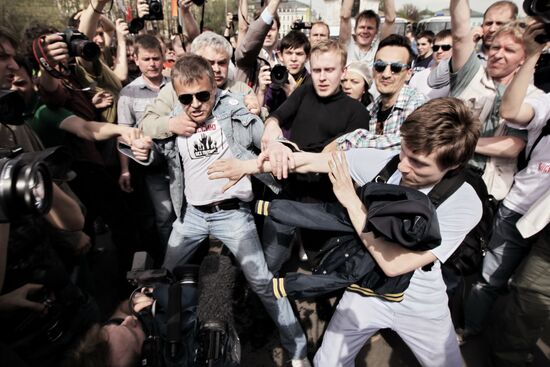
(395, 67)
(435, 48)
(187, 99)
(114, 321)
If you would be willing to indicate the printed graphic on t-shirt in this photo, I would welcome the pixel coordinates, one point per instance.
(208, 141)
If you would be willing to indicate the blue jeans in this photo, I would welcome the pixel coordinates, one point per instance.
(237, 231)
(158, 186)
(506, 250)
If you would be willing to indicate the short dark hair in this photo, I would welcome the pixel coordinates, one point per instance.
(398, 41)
(24, 64)
(504, 3)
(367, 14)
(7, 35)
(295, 39)
(427, 34)
(147, 42)
(445, 125)
(92, 351)
(443, 34)
(191, 68)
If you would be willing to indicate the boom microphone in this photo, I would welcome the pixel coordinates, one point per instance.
(215, 311)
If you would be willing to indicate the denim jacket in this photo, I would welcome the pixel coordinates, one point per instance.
(242, 129)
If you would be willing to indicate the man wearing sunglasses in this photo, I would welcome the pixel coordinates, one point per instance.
(397, 100)
(442, 51)
(225, 129)
(157, 121)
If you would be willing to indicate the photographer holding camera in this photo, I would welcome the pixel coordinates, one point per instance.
(278, 82)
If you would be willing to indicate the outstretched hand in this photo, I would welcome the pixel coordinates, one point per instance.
(342, 184)
(232, 169)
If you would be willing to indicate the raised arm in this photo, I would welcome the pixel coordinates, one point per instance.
(249, 49)
(243, 21)
(388, 26)
(121, 63)
(463, 43)
(345, 22)
(512, 107)
(189, 22)
(88, 23)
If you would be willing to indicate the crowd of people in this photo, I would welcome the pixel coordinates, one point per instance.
(175, 142)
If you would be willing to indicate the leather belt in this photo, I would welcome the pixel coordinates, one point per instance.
(229, 204)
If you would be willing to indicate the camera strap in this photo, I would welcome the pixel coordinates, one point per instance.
(56, 70)
(42, 59)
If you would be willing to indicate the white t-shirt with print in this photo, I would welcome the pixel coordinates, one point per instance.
(198, 151)
(457, 215)
(534, 181)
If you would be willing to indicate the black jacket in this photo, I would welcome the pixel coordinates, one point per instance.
(400, 214)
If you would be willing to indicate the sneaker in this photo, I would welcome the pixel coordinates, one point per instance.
(300, 363)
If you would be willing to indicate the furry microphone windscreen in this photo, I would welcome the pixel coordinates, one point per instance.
(216, 283)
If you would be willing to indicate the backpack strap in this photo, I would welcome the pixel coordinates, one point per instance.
(545, 131)
(447, 186)
(384, 175)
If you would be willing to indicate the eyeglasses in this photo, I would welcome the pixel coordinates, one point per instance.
(187, 99)
(395, 67)
(435, 48)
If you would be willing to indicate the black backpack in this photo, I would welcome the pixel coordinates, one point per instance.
(468, 256)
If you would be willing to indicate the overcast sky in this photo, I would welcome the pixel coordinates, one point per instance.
(478, 5)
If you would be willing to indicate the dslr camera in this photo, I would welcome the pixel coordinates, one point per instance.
(540, 9)
(155, 10)
(155, 13)
(279, 76)
(79, 45)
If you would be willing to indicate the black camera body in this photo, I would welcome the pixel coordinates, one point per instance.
(299, 25)
(540, 9)
(25, 185)
(279, 76)
(12, 107)
(155, 10)
(79, 45)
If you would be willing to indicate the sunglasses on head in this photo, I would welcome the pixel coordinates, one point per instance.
(435, 48)
(187, 99)
(395, 67)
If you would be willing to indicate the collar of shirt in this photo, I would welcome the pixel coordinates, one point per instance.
(143, 85)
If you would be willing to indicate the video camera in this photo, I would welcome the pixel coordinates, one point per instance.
(79, 45)
(192, 311)
(540, 9)
(299, 25)
(12, 107)
(25, 185)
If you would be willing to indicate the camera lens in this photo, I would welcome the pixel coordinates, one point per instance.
(88, 50)
(279, 76)
(25, 189)
(155, 7)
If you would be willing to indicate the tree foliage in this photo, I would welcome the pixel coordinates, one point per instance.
(409, 11)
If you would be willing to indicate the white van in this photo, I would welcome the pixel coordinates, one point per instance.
(439, 23)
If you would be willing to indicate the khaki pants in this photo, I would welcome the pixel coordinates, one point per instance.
(528, 310)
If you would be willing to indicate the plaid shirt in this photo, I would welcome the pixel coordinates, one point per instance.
(409, 100)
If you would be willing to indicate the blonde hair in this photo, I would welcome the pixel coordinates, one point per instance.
(329, 45)
(515, 28)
